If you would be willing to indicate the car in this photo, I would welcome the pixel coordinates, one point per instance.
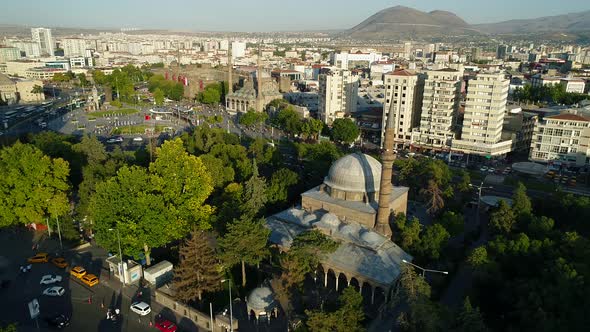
(54, 291)
(59, 262)
(165, 325)
(138, 139)
(119, 139)
(41, 257)
(484, 168)
(78, 272)
(50, 279)
(111, 141)
(140, 308)
(58, 321)
(90, 280)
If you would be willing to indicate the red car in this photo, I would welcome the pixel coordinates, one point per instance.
(165, 325)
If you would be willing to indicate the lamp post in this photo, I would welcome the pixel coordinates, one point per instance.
(423, 269)
(120, 253)
(231, 314)
(479, 189)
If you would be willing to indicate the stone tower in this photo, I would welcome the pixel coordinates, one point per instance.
(387, 157)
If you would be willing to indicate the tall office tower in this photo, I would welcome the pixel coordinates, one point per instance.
(403, 97)
(502, 51)
(484, 116)
(407, 50)
(475, 53)
(42, 36)
(338, 94)
(440, 105)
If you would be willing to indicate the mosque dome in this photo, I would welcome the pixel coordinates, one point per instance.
(355, 173)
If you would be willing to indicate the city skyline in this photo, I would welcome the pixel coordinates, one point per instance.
(256, 16)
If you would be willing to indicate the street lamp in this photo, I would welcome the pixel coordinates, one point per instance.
(120, 254)
(231, 314)
(479, 189)
(423, 269)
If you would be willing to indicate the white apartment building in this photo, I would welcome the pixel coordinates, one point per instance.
(563, 137)
(343, 59)
(74, 47)
(338, 95)
(440, 104)
(403, 101)
(485, 107)
(573, 85)
(9, 54)
(31, 49)
(42, 36)
(238, 49)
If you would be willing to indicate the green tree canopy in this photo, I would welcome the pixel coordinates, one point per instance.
(348, 317)
(33, 186)
(503, 219)
(345, 131)
(159, 96)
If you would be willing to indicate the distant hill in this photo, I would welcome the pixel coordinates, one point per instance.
(401, 22)
(571, 23)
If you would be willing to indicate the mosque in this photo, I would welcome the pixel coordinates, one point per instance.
(354, 206)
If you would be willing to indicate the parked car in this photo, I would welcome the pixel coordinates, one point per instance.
(119, 139)
(165, 325)
(90, 280)
(54, 291)
(484, 168)
(41, 257)
(58, 321)
(59, 262)
(78, 272)
(141, 308)
(138, 139)
(50, 279)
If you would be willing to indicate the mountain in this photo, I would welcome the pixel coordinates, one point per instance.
(401, 22)
(573, 22)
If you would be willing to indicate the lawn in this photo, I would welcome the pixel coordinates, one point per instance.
(119, 112)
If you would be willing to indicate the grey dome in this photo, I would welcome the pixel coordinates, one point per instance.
(261, 299)
(359, 173)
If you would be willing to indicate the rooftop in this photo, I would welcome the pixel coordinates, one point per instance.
(568, 116)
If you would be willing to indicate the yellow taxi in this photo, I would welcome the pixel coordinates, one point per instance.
(78, 272)
(90, 280)
(41, 257)
(59, 262)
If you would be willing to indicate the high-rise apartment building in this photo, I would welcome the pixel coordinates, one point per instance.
(74, 46)
(31, 49)
(502, 52)
(338, 94)
(8, 54)
(485, 107)
(238, 49)
(403, 100)
(440, 106)
(43, 37)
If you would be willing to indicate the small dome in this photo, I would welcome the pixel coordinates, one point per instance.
(329, 220)
(261, 298)
(359, 173)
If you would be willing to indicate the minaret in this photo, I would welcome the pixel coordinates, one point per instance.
(230, 82)
(259, 102)
(387, 157)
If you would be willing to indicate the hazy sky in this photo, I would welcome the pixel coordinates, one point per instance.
(257, 15)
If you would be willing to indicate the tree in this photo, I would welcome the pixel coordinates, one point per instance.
(503, 219)
(434, 197)
(408, 233)
(32, 187)
(211, 95)
(307, 250)
(433, 240)
(469, 319)
(199, 270)
(453, 222)
(251, 118)
(478, 257)
(289, 120)
(280, 183)
(345, 131)
(464, 184)
(418, 312)
(312, 127)
(521, 204)
(82, 79)
(245, 243)
(159, 96)
(254, 194)
(9, 328)
(37, 89)
(348, 317)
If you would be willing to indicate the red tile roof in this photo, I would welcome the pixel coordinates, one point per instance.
(402, 72)
(568, 116)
